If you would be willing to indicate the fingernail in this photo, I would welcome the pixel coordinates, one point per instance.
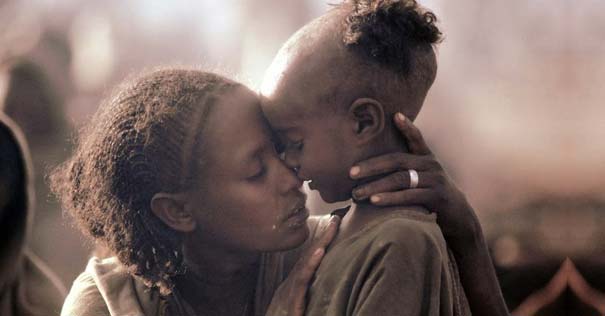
(375, 199)
(355, 170)
(318, 252)
(358, 194)
(400, 117)
(334, 219)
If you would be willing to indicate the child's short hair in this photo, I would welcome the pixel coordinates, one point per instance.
(141, 141)
(396, 34)
(393, 42)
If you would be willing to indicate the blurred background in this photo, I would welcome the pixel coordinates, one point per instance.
(515, 115)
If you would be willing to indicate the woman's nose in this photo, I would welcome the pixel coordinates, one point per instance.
(290, 180)
(291, 160)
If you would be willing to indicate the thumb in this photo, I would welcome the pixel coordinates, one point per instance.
(302, 280)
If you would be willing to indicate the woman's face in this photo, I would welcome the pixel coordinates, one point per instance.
(246, 199)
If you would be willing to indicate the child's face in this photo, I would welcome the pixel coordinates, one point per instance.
(298, 101)
(247, 199)
(318, 145)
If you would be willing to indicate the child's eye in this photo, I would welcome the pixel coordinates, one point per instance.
(279, 147)
(296, 145)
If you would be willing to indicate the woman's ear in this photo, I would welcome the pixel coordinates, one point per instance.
(368, 119)
(170, 208)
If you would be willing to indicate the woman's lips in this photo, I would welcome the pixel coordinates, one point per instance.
(298, 218)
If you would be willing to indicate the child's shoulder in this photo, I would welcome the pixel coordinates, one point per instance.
(408, 229)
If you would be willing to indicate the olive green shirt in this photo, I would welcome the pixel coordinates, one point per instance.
(398, 264)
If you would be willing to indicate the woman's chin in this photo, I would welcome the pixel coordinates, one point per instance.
(293, 238)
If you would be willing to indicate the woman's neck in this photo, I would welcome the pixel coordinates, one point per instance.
(217, 279)
(217, 265)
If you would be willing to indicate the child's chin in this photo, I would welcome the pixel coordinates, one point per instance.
(331, 197)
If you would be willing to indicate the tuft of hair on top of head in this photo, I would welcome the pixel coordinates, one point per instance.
(389, 32)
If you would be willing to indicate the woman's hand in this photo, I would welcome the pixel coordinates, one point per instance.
(434, 189)
(290, 297)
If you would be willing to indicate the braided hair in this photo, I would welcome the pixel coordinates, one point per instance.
(141, 141)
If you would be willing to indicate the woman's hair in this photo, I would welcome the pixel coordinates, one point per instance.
(144, 139)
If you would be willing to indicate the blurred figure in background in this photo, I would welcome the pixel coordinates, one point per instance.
(34, 99)
(27, 285)
(32, 103)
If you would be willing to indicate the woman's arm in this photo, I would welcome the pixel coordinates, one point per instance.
(437, 193)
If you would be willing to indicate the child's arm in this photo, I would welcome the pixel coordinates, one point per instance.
(437, 193)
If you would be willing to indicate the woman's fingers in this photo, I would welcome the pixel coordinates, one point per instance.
(307, 265)
(290, 297)
(388, 163)
(394, 182)
(329, 233)
(308, 258)
(424, 197)
(412, 135)
(302, 279)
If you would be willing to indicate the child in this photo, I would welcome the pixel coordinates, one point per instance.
(329, 93)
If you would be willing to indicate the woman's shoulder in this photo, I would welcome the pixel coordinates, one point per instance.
(84, 297)
(403, 236)
(107, 288)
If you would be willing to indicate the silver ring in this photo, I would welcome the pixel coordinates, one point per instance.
(413, 178)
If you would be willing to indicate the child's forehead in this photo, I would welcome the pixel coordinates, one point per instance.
(295, 124)
(295, 116)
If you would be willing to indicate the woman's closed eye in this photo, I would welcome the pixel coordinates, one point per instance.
(258, 175)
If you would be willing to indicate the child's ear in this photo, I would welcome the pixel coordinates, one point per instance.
(170, 208)
(368, 118)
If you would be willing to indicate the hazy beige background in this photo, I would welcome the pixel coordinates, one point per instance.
(515, 115)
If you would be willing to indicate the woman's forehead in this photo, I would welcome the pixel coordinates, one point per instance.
(237, 128)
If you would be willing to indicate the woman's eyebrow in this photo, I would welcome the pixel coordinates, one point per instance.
(251, 152)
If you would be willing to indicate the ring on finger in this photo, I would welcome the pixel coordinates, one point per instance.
(414, 179)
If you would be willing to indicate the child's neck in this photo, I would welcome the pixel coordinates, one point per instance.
(360, 214)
